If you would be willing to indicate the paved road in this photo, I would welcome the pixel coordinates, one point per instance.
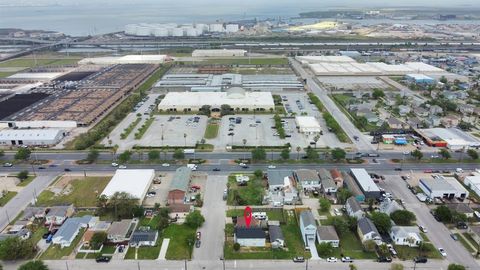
(24, 197)
(218, 265)
(363, 144)
(438, 233)
(213, 210)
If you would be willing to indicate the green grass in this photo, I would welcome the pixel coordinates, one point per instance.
(84, 193)
(130, 254)
(55, 252)
(39, 232)
(130, 128)
(179, 235)
(7, 197)
(251, 194)
(150, 253)
(352, 247)
(107, 249)
(464, 242)
(27, 181)
(6, 74)
(247, 61)
(211, 131)
(151, 222)
(408, 253)
(141, 131)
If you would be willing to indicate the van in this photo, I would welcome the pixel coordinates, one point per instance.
(259, 215)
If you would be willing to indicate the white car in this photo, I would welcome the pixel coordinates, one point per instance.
(406, 153)
(336, 212)
(122, 167)
(7, 164)
(332, 259)
(272, 166)
(114, 164)
(443, 252)
(242, 164)
(165, 165)
(423, 229)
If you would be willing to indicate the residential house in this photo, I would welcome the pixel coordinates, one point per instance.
(308, 227)
(58, 214)
(308, 179)
(240, 222)
(328, 185)
(435, 110)
(32, 213)
(371, 117)
(328, 234)
(23, 234)
(367, 231)
(467, 109)
(71, 228)
(144, 238)
(353, 187)
(406, 236)
(100, 226)
(415, 122)
(337, 177)
(120, 231)
(249, 237)
(450, 121)
(277, 179)
(281, 186)
(433, 121)
(461, 208)
(395, 123)
(421, 112)
(404, 110)
(353, 208)
(276, 236)
(389, 206)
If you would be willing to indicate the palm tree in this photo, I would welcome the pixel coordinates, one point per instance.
(298, 152)
(315, 139)
(185, 138)
(244, 143)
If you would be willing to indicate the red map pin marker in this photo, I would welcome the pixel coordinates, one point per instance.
(247, 214)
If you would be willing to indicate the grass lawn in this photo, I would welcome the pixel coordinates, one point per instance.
(408, 253)
(107, 249)
(179, 235)
(247, 61)
(83, 194)
(272, 215)
(464, 242)
(351, 246)
(469, 238)
(151, 222)
(150, 253)
(37, 235)
(27, 181)
(211, 131)
(130, 254)
(7, 197)
(251, 194)
(5, 74)
(55, 252)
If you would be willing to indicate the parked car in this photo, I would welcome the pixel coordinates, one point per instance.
(67, 170)
(41, 168)
(298, 259)
(199, 235)
(122, 167)
(197, 243)
(104, 259)
(7, 164)
(114, 164)
(332, 259)
(423, 229)
(398, 169)
(165, 165)
(272, 166)
(443, 252)
(216, 169)
(347, 259)
(384, 259)
(454, 237)
(420, 260)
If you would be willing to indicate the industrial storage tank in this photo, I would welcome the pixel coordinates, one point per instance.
(144, 30)
(216, 27)
(202, 26)
(231, 28)
(191, 32)
(177, 32)
(160, 32)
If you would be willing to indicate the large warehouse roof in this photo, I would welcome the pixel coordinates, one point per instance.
(29, 134)
(364, 180)
(127, 59)
(325, 59)
(135, 182)
(455, 138)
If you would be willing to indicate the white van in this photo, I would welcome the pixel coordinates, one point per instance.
(259, 215)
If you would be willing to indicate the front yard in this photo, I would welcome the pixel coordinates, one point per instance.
(182, 240)
(55, 252)
(250, 194)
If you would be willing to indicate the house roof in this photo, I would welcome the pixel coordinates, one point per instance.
(307, 217)
(139, 236)
(306, 175)
(250, 233)
(390, 206)
(406, 231)
(354, 204)
(242, 224)
(59, 211)
(71, 226)
(276, 177)
(366, 226)
(275, 233)
(336, 174)
(326, 178)
(394, 121)
(327, 233)
(120, 227)
(181, 179)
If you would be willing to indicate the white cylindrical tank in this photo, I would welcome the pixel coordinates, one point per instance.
(231, 28)
(216, 27)
(143, 31)
(160, 32)
(191, 32)
(177, 32)
(202, 26)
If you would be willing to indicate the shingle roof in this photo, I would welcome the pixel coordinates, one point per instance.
(354, 204)
(405, 231)
(306, 175)
(275, 232)
(120, 227)
(276, 177)
(367, 226)
(249, 233)
(327, 233)
(181, 179)
(326, 178)
(139, 236)
(307, 217)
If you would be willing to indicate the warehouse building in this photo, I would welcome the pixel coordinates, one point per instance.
(419, 79)
(308, 125)
(365, 182)
(134, 182)
(127, 59)
(237, 98)
(473, 182)
(452, 138)
(443, 187)
(31, 137)
(218, 53)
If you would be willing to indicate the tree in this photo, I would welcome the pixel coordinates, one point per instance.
(194, 219)
(338, 154)
(417, 154)
(378, 93)
(125, 157)
(311, 153)
(120, 205)
(205, 110)
(92, 155)
(315, 139)
(285, 154)
(472, 154)
(236, 246)
(453, 266)
(98, 239)
(325, 249)
(443, 79)
(154, 155)
(340, 225)
(370, 202)
(298, 151)
(403, 217)
(324, 204)
(258, 173)
(14, 248)
(444, 153)
(383, 250)
(178, 154)
(382, 222)
(369, 245)
(225, 109)
(259, 154)
(352, 223)
(23, 154)
(163, 221)
(443, 213)
(343, 194)
(22, 175)
(33, 265)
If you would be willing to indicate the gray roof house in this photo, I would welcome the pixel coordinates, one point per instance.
(249, 237)
(389, 206)
(308, 179)
(276, 236)
(308, 227)
(353, 208)
(328, 234)
(276, 179)
(367, 231)
(328, 185)
(70, 229)
(144, 238)
(120, 231)
(406, 236)
(58, 214)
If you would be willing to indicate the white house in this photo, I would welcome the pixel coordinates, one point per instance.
(406, 236)
(249, 237)
(70, 229)
(353, 208)
(120, 231)
(389, 206)
(367, 231)
(328, 234)
(308, 227)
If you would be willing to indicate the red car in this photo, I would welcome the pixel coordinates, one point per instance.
(195, 187)
(427, 171)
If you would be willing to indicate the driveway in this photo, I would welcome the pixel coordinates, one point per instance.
(213, 210)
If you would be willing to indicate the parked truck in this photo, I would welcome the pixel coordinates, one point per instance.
(189, 151)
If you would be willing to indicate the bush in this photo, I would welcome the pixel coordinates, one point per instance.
(259, 154)
(403, 217)
(258, 173)
(22, 175)
(324, 204)
(236, 246)
(178, 154)
(194, 219)
(23, 154)
(325, 249)
(33, 265)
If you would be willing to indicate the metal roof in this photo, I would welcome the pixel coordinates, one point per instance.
(354, 204)
(307, 218)
(275, 233)
(249, 233)
(135, 182)
(327, 233)
(29, 134)
(181, 179)
(367, 226)
(364, 180)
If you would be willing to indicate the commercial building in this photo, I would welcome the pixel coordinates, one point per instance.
(308, 125)
(365, 182)
(134, 182)
(31, 137)
(127, 59)
(179, 186)
(218, 53)
(328, 234)
(237, 98)
(443, 187)
(473, 182)
(419, 79)
(452, 138)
